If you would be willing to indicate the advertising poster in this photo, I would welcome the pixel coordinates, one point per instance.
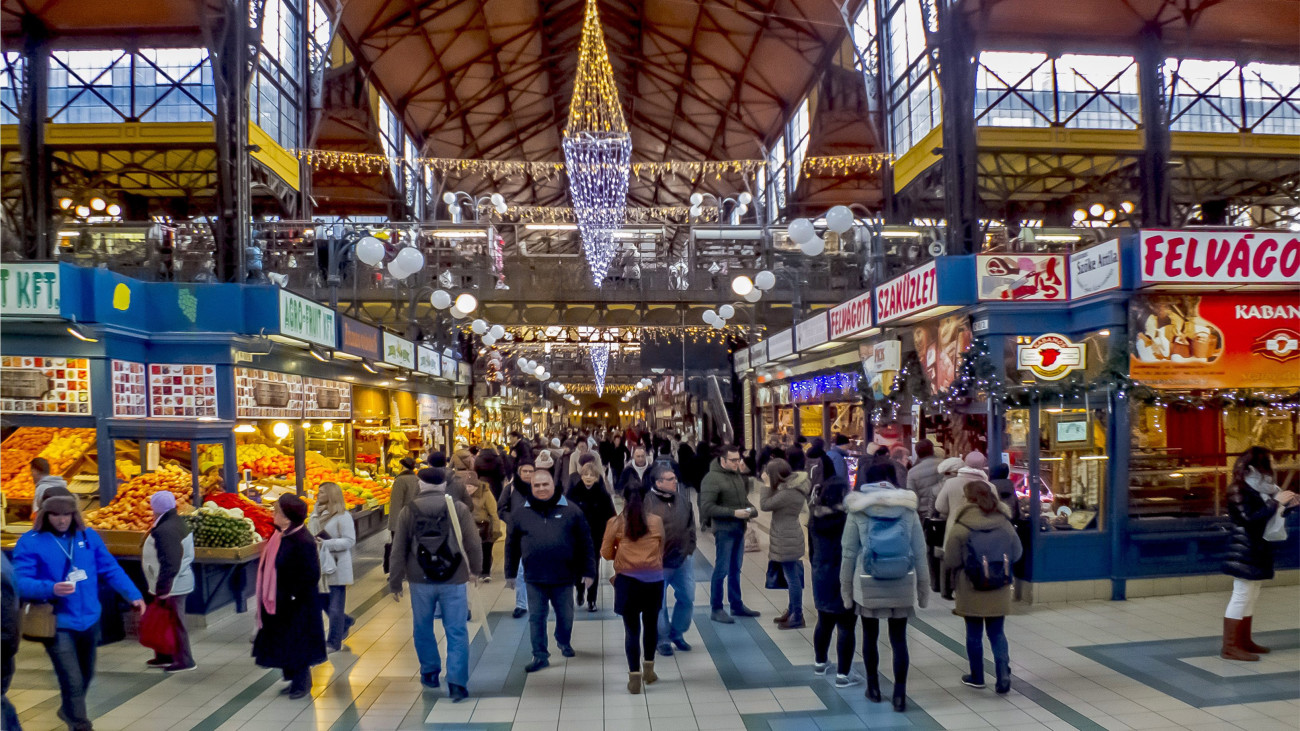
(1016, 277)
(1215, 341)
(182, 390)
(40, 385)
(267, 395)
(939, 345)
(130, 395)
(325, 399)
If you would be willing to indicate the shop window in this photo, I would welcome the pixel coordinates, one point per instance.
(1072, 464)
(1183, 450)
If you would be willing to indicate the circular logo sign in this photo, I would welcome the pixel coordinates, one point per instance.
(1050, 357)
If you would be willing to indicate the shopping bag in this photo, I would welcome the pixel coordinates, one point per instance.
(1276, 528)
(158, 628)
(776, 576)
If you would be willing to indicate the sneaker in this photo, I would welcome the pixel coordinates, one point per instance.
(744, 611)
(519, 612)
(567, 651)
(179, 668)
(591, 607)
(847, 681)
(537, 664)
(970, 681)
(820, 668)
(721, 617)
(430, 680)
(682, 645)
(665, 650)
(486, 579)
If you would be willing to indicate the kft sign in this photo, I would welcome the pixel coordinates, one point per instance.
(850, 317)
(306, 320)
(913, 292)
(1050, 357)
(29, 290)
(1219, 257)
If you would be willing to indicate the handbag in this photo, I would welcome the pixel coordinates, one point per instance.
(776, 576)
(1276, 528)
(38, 621)
(328, 565)
(158, 628)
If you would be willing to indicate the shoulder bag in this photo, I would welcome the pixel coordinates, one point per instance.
(38, 619)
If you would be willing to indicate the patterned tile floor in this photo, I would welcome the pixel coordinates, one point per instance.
(1140, 664)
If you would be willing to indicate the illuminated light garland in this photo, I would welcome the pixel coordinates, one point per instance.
(599, 365)
(634, 214)
(597, 150)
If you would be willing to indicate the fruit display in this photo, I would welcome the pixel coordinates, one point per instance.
(130, 510)
(261, 517)
(63, 448)
(218, 527)
(357, 491)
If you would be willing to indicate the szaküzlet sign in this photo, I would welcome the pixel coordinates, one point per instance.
(913, 292)
(1220, 257)
(306, 320)
(29, 290)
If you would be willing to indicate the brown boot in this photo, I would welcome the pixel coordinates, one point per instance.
(648, 672)
(1232, 650)
(634, 683)
(1245, 640)
(782, 618)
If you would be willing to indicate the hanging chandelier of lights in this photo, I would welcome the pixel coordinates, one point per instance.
(597, 149)
(599, 365)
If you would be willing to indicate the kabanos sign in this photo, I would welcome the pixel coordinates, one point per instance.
(1219, 257)
(850, 317)
(1050, 357)
(913, 292)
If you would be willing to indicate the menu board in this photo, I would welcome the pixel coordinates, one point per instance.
(325, 399)
(130, 395)
(40, 385)
(182, 390)
(267, 395)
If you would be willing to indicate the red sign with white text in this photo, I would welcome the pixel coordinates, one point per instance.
(1219, 257)
(851, 317)
(913, 292)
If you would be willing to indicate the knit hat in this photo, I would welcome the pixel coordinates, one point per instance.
(555, 442)
(408, 462)
(437, 459)
(293, 508)
(162, 501)
(432, 476)
(950, 466)
(976, 460)
(544, 461)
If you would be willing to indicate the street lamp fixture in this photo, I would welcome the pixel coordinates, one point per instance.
(453, 198)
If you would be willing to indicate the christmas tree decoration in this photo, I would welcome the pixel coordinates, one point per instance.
(599, 364)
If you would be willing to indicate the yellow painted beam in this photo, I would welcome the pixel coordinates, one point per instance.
(1235, 143)
(269, 152)
(917, 160)
(1058, 139)
(122, 133)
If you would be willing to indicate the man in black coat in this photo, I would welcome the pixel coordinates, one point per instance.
(522, 451)
(550, 536)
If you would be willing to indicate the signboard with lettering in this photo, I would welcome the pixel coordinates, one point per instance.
(429, 363)
(1219, 257)
(1015, 277)
(29, 290)
(812, 332)
(303, 319)
(1050, 357)
(850, 318)
(360, 339)
(780, 345)
(908, 294)
(1095, 270)
(758, 354)
(399, 351)
(742, 360)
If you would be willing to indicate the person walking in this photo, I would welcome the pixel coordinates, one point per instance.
(290, 629)
(513, 497)
(724, 506)
(924, 478)
(634, 474)
(587, 491)
(405, 487)
(983, 543)
(785, 495)
(486, 523)
(634, 541)
(1255, 506)
(550, 539)
(435, 554)
(62, 562)
(490, 469)
(883, 572)
(9, 639)
(42, 480)
(671, 501)
(826, 521)
(336, 532)
(1000, 478)
(166, 561)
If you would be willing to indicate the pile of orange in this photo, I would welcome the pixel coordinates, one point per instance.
(61, 447)
(130, 510)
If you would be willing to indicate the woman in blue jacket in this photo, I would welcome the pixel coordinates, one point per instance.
(61, 561)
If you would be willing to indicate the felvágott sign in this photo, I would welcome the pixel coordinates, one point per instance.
(29, 290)
(303, 319)
(1095, 270)
(850, 317)
(1219, 257)
(910, 293)
(1050, 357)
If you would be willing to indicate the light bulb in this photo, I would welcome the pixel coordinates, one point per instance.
(745, 198)
(742, 285)
(466, 303)
(696, 199)
(98, 204)
(280, 430)
(448, 197)
(83, 211)
(1080, 214)
(65, 203)
(114, 210)
(1096, 209)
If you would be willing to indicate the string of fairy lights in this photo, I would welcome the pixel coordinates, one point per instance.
(567, 215)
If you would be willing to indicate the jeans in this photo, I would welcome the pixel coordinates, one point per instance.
(336, 610)
(793, 571)
(640, 619)
(521, 589)
(897, 643)
(73, 654)
(8, 714)
(730, 539)
(540, 598)
(454, 602)
(587, 593)
(975, 627)
(827, 624)
(682, 581)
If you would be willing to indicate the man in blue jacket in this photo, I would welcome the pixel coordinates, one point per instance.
(551, 536)
(63, 562)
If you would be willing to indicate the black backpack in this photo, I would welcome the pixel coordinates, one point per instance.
(435, 543)
(988, 558)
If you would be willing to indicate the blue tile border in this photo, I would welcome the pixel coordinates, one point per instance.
(1159, 665)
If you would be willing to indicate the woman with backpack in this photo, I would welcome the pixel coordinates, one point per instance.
(883, 571)
(634, 541)
(984, 545)
(785, 495)
(825, 533)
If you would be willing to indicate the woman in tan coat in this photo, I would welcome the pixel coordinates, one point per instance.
(634, 541)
